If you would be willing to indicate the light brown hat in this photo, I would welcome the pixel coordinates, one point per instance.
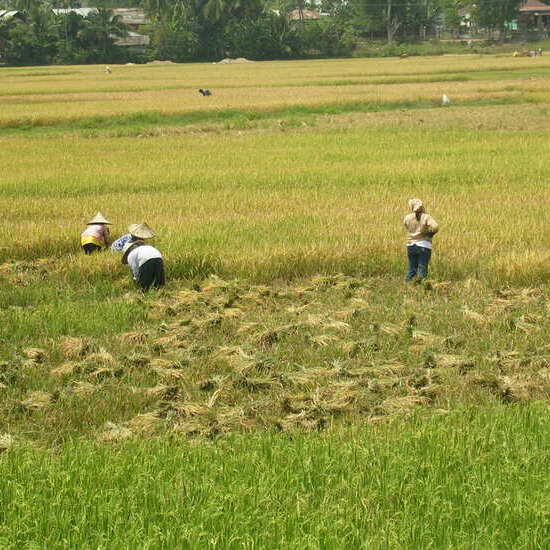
(416, 205)
(128, 247)
(141, 231)
(99, 218)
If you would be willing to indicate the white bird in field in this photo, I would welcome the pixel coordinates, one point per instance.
(446, 100)
(108, 70)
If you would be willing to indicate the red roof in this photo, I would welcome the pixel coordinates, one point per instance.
(532, 6)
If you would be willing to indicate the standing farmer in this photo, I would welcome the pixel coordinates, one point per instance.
(421, 228)
(145, 261)
(96, 235)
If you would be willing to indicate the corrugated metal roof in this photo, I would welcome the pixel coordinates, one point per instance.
(9, 14)
(133, 39)
(83, 12)
(132, 16)
(306, 14)
(532, 6)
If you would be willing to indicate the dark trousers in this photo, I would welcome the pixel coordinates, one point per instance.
(419, 258)
(90, 248)
(151, 273)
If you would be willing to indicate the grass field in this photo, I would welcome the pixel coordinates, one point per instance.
(285, 341)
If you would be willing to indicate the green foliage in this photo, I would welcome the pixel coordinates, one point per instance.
(44, 38)
(494, 15)
(267, 37)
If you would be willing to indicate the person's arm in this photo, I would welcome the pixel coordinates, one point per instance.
(431, 225)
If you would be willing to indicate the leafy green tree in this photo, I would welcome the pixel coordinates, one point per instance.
(494, 15)
(102, 29)
(33, 41)
(176, 34)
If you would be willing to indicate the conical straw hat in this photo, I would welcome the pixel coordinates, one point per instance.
(141, 231)
(99, 218)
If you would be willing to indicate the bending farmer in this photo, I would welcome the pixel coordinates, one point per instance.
(96, 235)
(421, 228)
(145, 261)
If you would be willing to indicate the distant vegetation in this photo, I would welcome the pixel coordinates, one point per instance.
(194, 30)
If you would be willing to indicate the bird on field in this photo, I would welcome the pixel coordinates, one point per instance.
(108, 70)
(446, 100)
(204, 92)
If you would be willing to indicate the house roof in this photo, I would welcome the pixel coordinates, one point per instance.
(133, 39)
(83, 12)
(9, 14)
(532, 6)
(306, 14)
(132, 16)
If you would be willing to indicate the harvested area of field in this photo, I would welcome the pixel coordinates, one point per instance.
(285, 343)
(228, 356)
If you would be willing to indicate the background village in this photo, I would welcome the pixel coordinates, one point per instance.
(140, 31)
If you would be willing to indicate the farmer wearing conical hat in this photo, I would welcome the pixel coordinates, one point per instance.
(145, 261)
(96, 236)
(136, 231)
(421, 228)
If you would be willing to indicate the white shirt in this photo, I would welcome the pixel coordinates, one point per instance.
(139, 255)
(422, 244)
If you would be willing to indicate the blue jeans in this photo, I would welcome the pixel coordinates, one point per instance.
(419, 258)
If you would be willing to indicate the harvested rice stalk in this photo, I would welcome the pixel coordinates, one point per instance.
(529, 323)
(324, 340)
(166, 343)
(448, 361)
(135, 337)
(209, 322)
(269, 337)
(302, 420)
(84, 388)
(37, 400)
(106, 372)
(188, 410)
(426, 338)
(401, 405)
(73, 347)
(247, 327)
(188, 297)
(354, 347)
(6, 441)
(161, 391)
(226, 352)
(66, 369)
(232, 313)
(138, 359)
(474, 316)
(36, 355)
(145, 424)
(298, 309)
(253, 383)
(113, 433)
(169, 373)
(388, 328)
(518, 389)
(101, 358)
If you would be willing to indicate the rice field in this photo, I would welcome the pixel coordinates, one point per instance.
(285, 328)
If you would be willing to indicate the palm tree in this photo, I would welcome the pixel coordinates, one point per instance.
(105, 27)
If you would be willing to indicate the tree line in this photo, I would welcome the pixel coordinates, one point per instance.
(196, 30)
